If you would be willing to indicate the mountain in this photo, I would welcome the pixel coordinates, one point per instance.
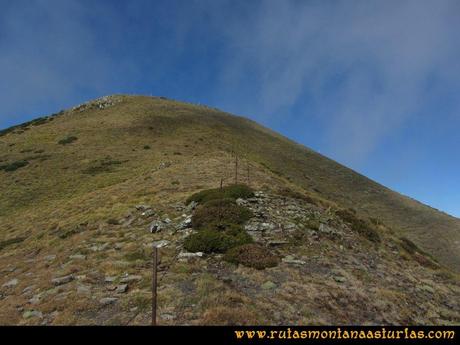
(80, 190)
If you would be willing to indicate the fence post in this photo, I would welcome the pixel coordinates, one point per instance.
(154, 286)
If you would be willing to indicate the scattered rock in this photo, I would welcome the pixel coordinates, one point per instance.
(11, 283)
(156, 226)
(77, 257)
(32, 313)
(130, 278)
(148, 213)
(122, 288)
(185, 255)
(275, 243)
(50, 257)
(110, 279)
(268, 285)
(192, 206)
(161, 244)
(340, 279)
(62, 280)
(35, 299)
(186, 224)
(291, 260)
(167, 316)
(84, 290)
(142, 207)
(108, 300)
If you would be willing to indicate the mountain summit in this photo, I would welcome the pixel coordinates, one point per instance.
(85, 193)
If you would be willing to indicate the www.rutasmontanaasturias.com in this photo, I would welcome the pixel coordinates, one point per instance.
(339, 333)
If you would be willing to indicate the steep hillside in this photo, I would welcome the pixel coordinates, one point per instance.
(70, 185)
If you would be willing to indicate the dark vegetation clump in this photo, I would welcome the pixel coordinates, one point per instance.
(103, 166)
(11, 241)
(220, 213)
(68, 140)
(362, 227)
(215, 241)
(252, 255)
(147, 147)
(229, 192)
(14, 166)
(113, 221)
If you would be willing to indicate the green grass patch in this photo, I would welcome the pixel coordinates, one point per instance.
(252, 255)
(229, 192)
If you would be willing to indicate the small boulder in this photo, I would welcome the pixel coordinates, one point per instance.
(268, 285)
(108, 300)
(161, 244)
(11, 283)
(32, 313)
(62, 280)
(122, 288)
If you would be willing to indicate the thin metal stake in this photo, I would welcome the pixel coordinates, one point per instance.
(154, 286)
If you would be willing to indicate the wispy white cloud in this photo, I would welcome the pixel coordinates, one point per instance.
(368, 66)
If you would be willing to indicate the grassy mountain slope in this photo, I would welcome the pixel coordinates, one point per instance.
(87, 166)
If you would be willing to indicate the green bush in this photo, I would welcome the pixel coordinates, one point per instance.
(252, 255)
(229, 192)
(214, 241)
(359, 225)
(220, 213)
(14, 166)
(67, 140)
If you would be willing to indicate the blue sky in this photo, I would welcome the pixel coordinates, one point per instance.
(374, 85)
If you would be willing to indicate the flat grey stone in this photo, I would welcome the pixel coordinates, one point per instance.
(122, 288)
(11, 283)
(129, 279)
(32, 313)
(108, 300)
(62, 280)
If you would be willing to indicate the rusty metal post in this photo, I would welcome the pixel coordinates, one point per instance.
(236, 169)
(154, 286)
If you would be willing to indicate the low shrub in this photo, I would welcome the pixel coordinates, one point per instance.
(229, 192)
(220, 213)
(67, 140)
(14, 166)
(214, 241)
(147, 147)
(359, 225)
(252, 255)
